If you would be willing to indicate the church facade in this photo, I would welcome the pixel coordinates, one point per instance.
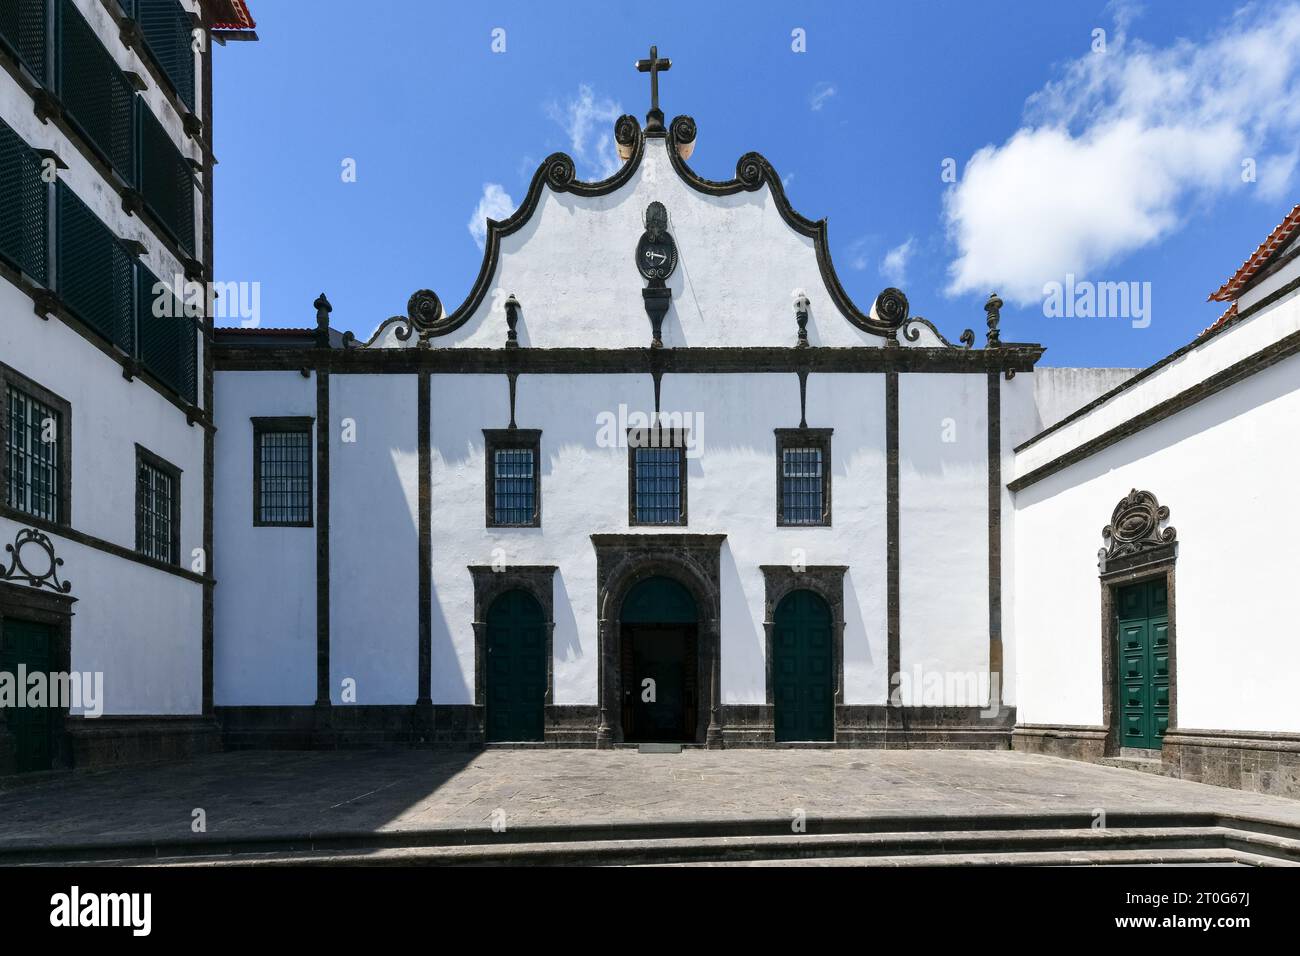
(656, 479)
(659, 480)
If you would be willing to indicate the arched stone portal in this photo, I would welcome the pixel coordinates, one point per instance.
(691, 562)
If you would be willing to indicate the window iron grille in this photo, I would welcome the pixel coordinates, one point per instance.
(283, 473)
(33, 466)
(157, 503)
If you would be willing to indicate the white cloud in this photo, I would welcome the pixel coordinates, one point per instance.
(1122, 148)
(858, 252)
(820, 94)
(894, 266)
(495, 204)
(588, 121)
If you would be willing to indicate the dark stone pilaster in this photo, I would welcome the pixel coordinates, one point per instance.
(424, 698)
(995, 537)
(323, 432)
(892, 600)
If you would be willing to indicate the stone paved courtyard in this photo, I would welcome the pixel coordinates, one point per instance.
(264, 793)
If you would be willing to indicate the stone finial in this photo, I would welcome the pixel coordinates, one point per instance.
(994, 309)
(512, 319)
(323, 310)
(801, 305)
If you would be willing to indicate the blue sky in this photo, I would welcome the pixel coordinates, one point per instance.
(1122, 164)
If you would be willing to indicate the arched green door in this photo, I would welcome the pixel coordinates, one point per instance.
(516, 668)
(803, 671)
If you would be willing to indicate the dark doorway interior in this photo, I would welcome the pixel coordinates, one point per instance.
(660, 663)
(660, 676)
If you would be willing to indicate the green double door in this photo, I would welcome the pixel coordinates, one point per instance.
(31, 728)
(1143, 658)
(803, 672)
(516, 669)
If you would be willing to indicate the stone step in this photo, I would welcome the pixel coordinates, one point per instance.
(633, 841)
(1142, 764)
(1116, 845)
(1078, 858)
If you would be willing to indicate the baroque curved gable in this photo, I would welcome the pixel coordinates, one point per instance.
(753, 272)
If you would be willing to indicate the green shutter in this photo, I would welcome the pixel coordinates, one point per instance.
(168, 36)
(22, 32)
(165, 179)
(95, 277)
(95, 93)
(24, 207)
(168, 341)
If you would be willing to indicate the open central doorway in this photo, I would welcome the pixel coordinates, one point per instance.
(660, 663)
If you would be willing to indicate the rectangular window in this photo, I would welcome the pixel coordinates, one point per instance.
(656, 476)
(803, 476)
(282, 472)
(514, 495)
(37, 443)
(157, 507)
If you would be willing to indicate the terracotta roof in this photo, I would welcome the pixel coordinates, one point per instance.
(1258, 259)
(232, 15)
(1228, 317)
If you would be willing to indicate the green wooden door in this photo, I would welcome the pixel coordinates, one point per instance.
(1143, 629)
(803, 669)
(32, 728)
(516, 668)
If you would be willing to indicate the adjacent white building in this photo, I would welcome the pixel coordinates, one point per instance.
(105, 387)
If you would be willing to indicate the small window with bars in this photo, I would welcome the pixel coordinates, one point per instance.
(803, 477)
(514, 492)
(37, 459)
(656, 476)
(157, 508)
(282, 472)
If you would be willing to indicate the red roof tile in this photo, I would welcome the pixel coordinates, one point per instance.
(1228, 317)
(233, 15)
(1258, 259)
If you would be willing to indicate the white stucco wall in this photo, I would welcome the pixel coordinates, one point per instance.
(1225, 468)
(943, 530)
(1059, 392)
(731, 490)
(264, 644)
(374, 538)
(1221, 351)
